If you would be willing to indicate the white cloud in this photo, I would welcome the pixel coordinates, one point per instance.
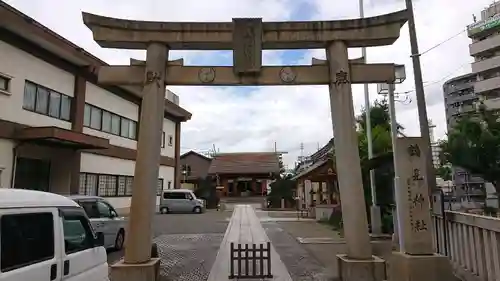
(252, 119)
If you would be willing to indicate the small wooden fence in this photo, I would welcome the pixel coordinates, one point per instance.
(251, 261)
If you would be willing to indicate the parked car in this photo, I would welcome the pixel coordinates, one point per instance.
(105, 219)
(45, 236)
(180, 200)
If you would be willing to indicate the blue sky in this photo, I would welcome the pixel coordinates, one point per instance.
(254, 118)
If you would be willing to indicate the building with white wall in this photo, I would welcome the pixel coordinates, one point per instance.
(60, 131)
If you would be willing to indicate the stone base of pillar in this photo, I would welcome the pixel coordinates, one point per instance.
(149, 271)
(376, 219)
(404, 267)
(361, 270)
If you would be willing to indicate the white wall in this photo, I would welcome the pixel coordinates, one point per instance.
(6, 154)
(92, 163)
(21, 66)
(113, 103)
(169, 129)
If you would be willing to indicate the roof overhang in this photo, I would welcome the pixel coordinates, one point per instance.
(61, 137)
(314, 172)
(33, 31)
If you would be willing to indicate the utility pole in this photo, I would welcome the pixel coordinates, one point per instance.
(375, 215)
(430, 176)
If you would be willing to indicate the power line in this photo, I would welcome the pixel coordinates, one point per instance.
(439, 44)
(427, 84)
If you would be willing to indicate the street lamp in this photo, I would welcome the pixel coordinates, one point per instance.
(388, 89)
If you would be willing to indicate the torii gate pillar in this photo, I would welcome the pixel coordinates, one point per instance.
(137, 263)
(358, 263)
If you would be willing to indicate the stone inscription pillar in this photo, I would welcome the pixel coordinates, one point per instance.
(347, 155)
(416, 229)
(139, 237)
(416, 259)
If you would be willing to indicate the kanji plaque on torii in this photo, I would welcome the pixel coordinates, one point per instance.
(247, 38)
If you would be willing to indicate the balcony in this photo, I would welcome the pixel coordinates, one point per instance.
(452, 88)
(460, 97)
(487, 85)
(486, 45)
(492, 103)
(453, 111)
(485, 65)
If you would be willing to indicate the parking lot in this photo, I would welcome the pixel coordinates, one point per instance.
(185, 239)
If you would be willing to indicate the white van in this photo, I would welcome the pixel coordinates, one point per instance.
(180, 200)
(47, 237)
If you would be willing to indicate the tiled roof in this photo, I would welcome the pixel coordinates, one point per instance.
(197, 154)
(245, 163)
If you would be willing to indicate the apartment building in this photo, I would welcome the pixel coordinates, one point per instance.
(485, 48)
(460, 99)
(60, 131)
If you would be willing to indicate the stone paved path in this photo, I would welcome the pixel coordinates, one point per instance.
(245, 227)
(186, 257)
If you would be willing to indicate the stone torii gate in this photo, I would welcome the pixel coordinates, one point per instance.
(247, 37)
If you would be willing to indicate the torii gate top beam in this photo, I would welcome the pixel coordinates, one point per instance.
(131, 34)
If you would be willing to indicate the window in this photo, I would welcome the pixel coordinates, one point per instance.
(132, 130)
(4, 84)
(88, 184)
(106, 121)
(109, 185)
(163, 140)
(42, 100)
(65, 107)
(170, 140)
(45, 101)
(86, 116)
(95, 118)
(124, 128)
(122, 185)
(115, 124)
(26, 239)
(55, 104)
(29, 96)
(174, 195)
(104, 209)
(78, 235)
(159, 189)
(128, 186)
(90, 208)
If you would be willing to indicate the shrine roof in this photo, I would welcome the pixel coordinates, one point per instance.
(245, 163)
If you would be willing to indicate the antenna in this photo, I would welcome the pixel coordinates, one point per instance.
(301, 150)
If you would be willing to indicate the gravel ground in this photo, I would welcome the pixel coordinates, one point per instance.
(187, 257)
(187, 243)
(301, 265)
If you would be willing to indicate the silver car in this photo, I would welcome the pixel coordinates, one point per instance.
(180, 200)
(105, 219)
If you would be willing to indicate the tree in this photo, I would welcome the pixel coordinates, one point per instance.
(382, 149)
(283, 188)
(474, 145)
(444, 171)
